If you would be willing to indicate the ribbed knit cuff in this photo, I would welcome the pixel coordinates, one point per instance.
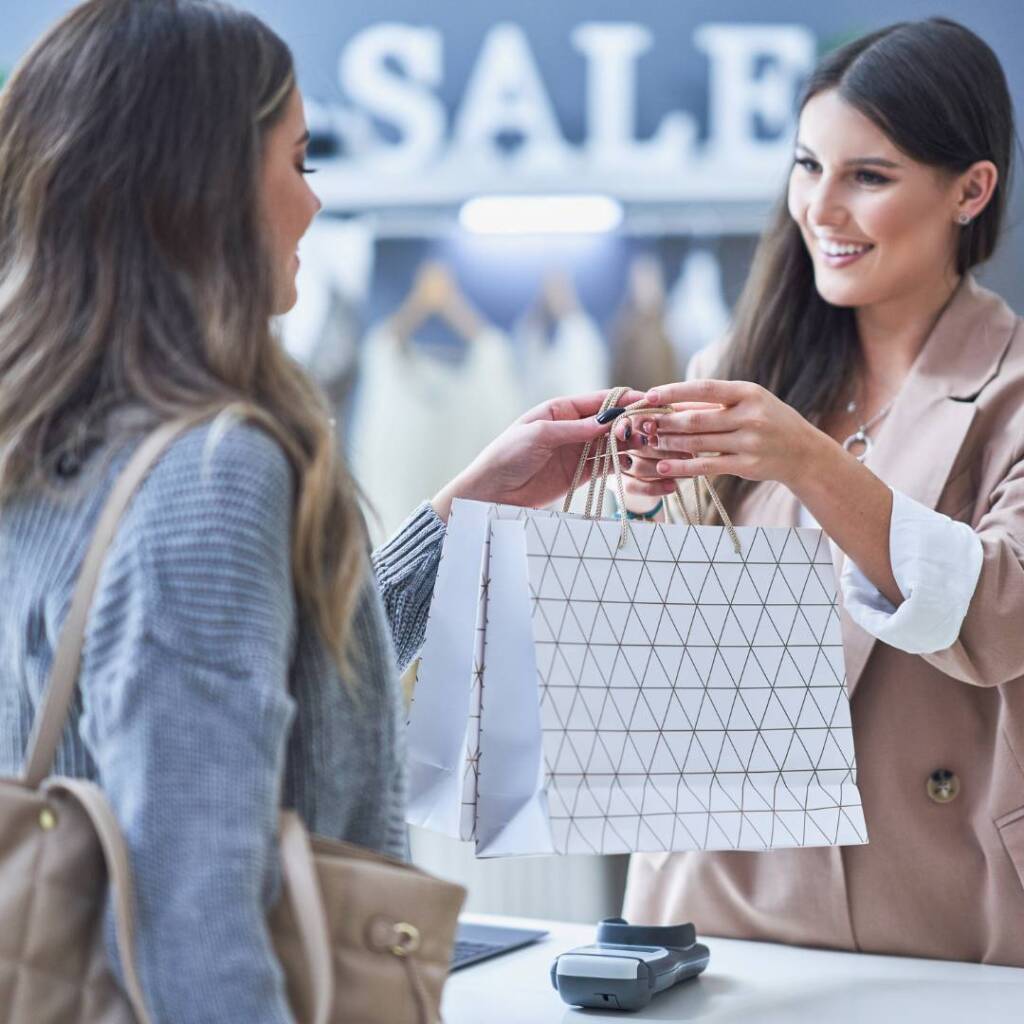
(418, 538)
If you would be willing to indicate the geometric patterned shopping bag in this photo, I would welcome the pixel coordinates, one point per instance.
(689, 696)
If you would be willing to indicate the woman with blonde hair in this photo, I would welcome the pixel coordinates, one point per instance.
(242, 647)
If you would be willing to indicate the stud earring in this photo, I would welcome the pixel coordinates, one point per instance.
(964, 219)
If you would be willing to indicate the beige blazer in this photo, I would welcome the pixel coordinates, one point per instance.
(937, 878)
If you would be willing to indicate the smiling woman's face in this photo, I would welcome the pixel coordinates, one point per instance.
(878, 225)
(289, 204)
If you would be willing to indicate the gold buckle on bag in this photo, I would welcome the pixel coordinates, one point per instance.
(407, 939)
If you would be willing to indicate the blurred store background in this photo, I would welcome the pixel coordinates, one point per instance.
(527, 198)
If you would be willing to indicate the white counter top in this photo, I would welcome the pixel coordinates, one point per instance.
(748, 982)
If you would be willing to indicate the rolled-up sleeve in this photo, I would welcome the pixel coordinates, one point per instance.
(936, 562)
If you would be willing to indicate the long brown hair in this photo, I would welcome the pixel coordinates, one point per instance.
(134, 274)
(939, 93)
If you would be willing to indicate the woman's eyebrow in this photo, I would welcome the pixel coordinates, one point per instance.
(873, 161)
(857, 161)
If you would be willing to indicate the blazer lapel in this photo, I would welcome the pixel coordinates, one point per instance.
(922, 436)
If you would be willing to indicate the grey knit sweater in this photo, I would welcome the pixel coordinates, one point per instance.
(206, 699)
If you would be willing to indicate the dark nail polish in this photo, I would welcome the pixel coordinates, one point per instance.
(627, 461)
(644, 442)
(610, 414)
(628, 432)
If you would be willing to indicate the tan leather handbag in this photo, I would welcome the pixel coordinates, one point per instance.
(350, 920)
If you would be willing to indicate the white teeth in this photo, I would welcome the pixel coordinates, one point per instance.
(834, 249)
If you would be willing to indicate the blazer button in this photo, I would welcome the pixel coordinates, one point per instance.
(943, 785)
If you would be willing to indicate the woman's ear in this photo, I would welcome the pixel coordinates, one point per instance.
(974, 189)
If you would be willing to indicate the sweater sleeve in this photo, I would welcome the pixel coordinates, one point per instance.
(406, 569)
(186, 712)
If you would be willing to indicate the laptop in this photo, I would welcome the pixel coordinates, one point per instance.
(476, 942)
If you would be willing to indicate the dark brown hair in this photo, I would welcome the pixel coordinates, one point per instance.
(940, 95)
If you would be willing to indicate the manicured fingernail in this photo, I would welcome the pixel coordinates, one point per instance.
(644, 442)
(647, 426)
(627, 461)
(628, 432)
(610, 414)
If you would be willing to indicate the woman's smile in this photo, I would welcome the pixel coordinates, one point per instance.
(837, 254)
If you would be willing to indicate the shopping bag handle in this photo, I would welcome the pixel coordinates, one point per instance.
(608, 463)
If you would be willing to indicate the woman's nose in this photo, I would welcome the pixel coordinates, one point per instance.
(824, 207)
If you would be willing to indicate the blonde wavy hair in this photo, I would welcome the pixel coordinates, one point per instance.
(134, 274)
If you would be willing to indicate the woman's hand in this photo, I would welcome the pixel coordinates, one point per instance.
(728, 427)
(534, 461)
(750, 433)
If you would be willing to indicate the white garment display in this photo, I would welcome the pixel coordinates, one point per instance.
(418, 420)
(322, 330)
(574, 360)
(336, 262)
(936, 562)
(696, 314)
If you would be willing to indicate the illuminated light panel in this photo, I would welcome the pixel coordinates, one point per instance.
(540, 215)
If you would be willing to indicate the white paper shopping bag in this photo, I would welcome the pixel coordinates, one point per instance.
(443, 728)
(690, 697)
(441, 733)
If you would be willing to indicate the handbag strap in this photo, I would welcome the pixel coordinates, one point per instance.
(48, 726)
(303, 891)
(608, 463)
(115, 854)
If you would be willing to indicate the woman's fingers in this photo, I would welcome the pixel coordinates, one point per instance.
(643, 467)
(704, 465)
(716, 419)
(693, 444)
(721, 392)
(649, 489)
(574, 407)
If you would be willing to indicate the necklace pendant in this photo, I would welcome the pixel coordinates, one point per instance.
(861, 441)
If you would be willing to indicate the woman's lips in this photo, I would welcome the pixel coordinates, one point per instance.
(837, 255)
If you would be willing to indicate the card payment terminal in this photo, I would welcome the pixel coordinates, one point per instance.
(628, 965)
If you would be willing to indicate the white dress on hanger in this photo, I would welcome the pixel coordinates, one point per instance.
(419, 420)
(575, 360)
(696, 313)
(322, 330)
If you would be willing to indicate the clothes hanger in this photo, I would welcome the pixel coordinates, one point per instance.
(647, 285)
(435, 293)
(556, 300)
(558, 297)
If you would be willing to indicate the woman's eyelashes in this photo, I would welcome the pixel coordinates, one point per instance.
(872, 178)
(861, 176)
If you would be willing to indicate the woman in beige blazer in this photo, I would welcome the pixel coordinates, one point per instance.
(873, 387)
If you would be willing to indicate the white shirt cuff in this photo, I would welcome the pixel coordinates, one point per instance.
(936, 562)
